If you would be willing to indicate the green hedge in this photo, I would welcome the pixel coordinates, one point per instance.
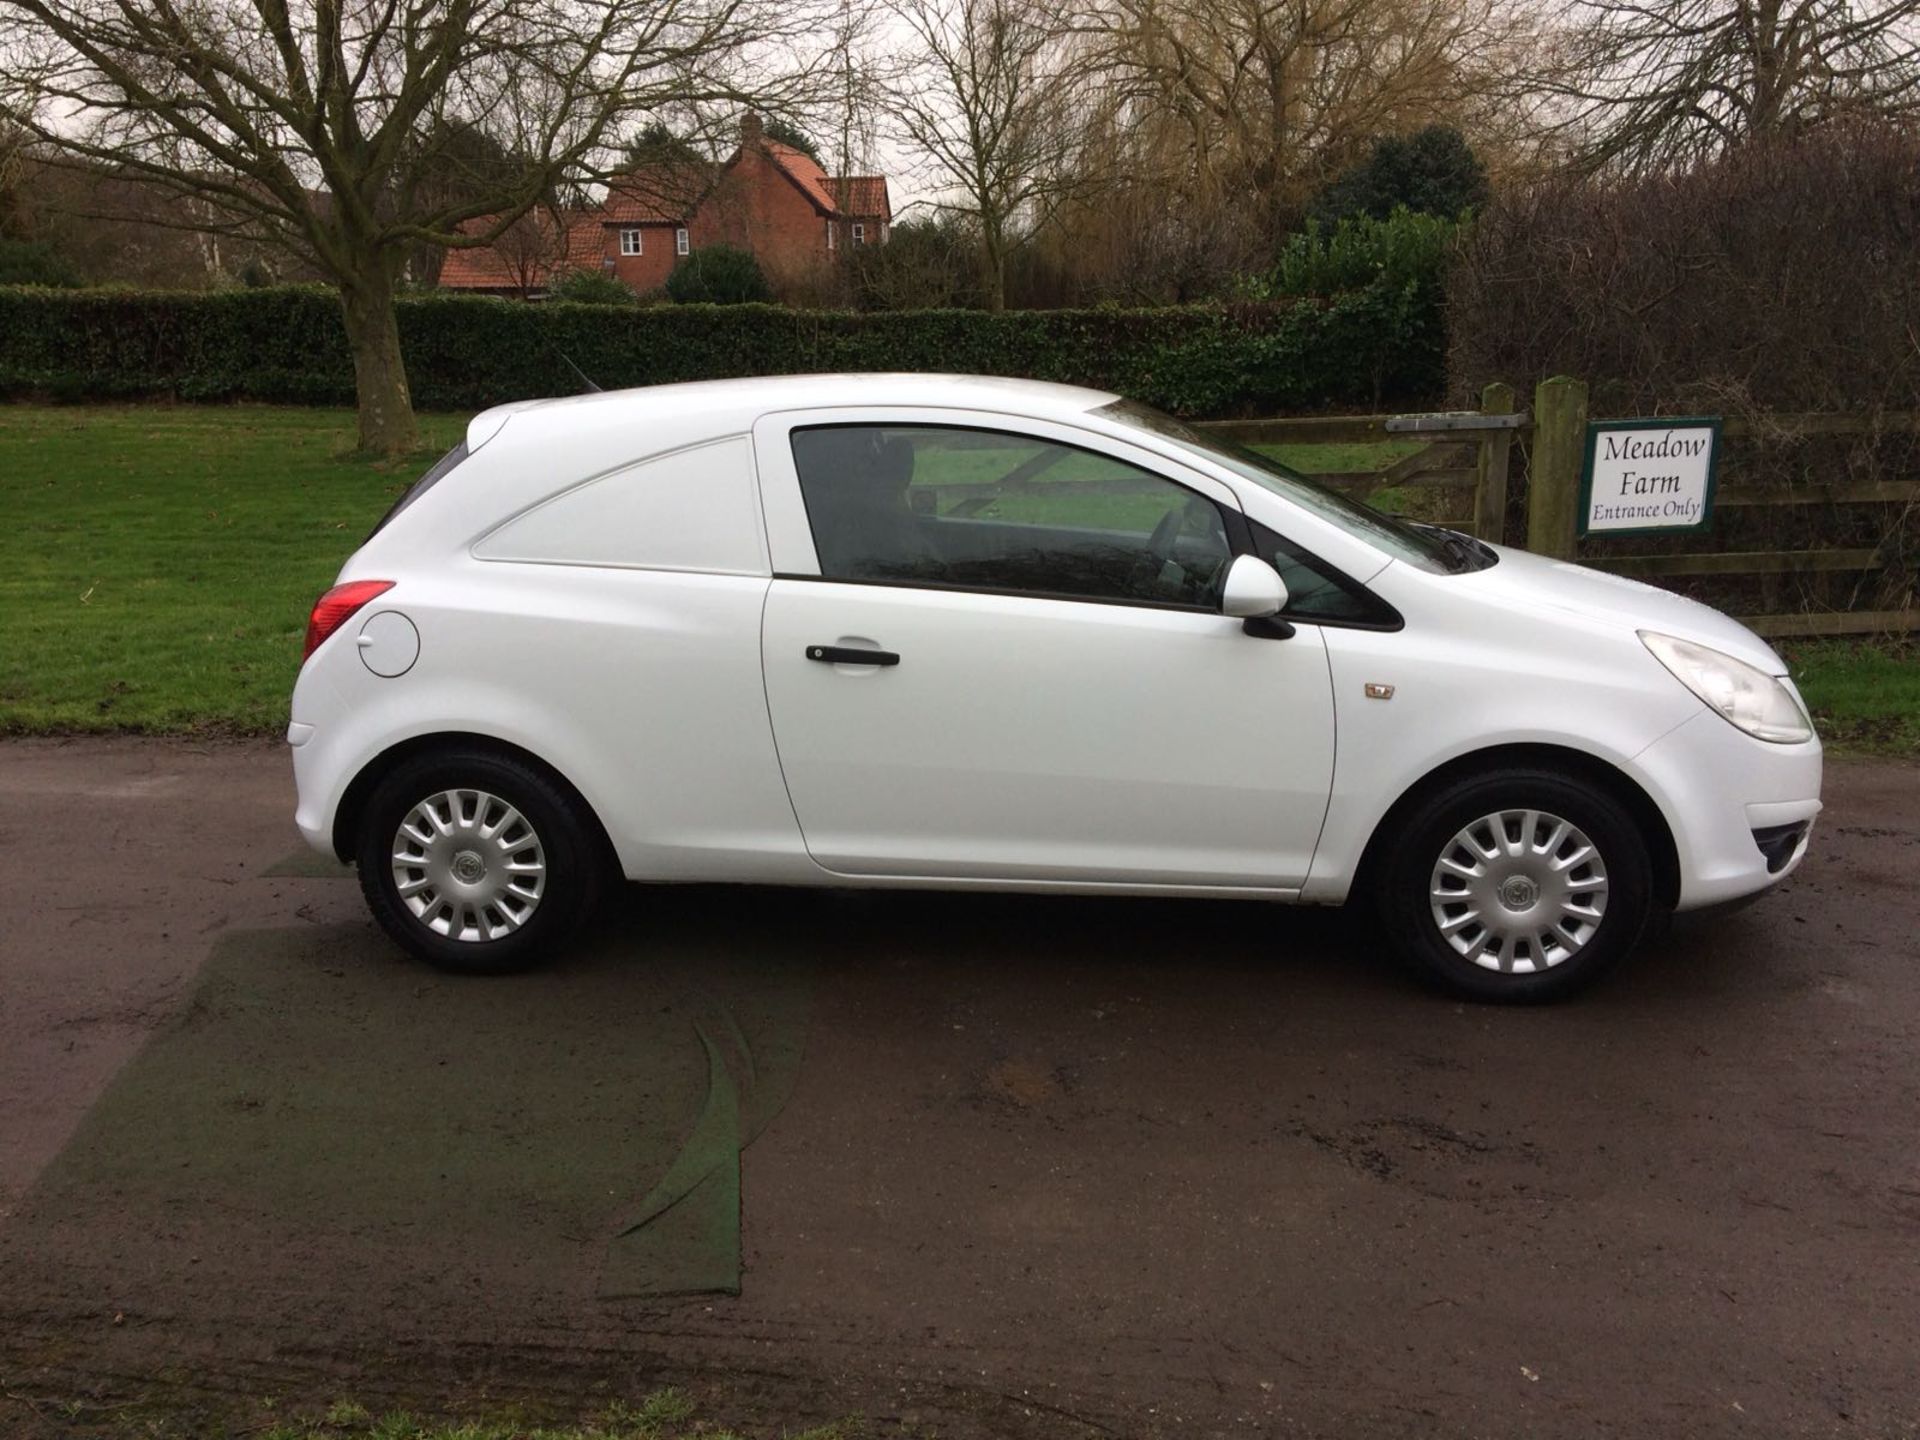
(286, 346)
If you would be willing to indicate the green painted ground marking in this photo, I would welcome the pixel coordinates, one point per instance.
(684, 1236)
(316, 1088)
(305, 864)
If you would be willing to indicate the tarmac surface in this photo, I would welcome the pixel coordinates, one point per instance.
(979, 1165)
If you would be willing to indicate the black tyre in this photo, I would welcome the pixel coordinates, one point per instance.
(1517, 885)
(477, 862)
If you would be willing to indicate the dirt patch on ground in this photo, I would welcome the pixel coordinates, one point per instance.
(1014, 1166)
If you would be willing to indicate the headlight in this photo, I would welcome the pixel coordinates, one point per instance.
(1750, 699)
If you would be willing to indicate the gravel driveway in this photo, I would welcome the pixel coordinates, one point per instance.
(998, 1166)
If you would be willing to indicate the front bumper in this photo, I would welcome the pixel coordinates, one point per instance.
(1741, 810)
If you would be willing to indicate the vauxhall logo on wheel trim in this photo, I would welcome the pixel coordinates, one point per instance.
(1652, 474)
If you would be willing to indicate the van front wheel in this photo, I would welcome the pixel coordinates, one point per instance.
(1517, 885)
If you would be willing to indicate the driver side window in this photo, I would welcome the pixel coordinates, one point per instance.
(959, 508)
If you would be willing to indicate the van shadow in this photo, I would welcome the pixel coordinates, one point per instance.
(1307, 955)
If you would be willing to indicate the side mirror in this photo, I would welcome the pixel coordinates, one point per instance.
(1254, 590)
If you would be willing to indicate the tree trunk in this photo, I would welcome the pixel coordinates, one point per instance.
(387, 425)
(1766, 105)
(993, 269)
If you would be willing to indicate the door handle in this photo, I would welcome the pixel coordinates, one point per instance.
(850, 655)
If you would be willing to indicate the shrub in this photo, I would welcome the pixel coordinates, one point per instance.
(286, 345)
(1431, 172)
(718, 275)
(1776, 280)
(1397, 267)
(925, 263)
(27, 262)
(591, 287)
(656, 144)
(1404, 249)
(1779, 277)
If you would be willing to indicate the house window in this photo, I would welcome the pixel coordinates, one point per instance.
(859, 233)
(630, 243)
(829, 235)
(680, 245)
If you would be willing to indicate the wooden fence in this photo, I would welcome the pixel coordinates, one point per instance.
(1472, 461)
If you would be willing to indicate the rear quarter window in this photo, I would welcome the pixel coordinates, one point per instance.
(439, 471)
(692, 509)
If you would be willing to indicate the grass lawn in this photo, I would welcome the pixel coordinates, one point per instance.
(662, 1415)
(1344, 457)
(1417, 502)
(157, 564)
(1865, 694)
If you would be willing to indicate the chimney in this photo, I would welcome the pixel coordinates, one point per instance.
(751, 130)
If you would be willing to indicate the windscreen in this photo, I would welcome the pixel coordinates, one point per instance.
(1427, 546)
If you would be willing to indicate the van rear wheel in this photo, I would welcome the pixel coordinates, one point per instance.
(476, 862)
(1517, 885)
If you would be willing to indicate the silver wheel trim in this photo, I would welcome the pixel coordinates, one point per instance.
(468, 865)
(1519, 891)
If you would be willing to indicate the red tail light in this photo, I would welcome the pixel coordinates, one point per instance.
(332, 609)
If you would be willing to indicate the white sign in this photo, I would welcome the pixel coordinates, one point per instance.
(1648, 475)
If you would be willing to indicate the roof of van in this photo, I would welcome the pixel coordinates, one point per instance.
(1035, 398)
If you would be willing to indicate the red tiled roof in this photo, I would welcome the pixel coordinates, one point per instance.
(806, 173)
(655, 194)
(585, 245)
(523, 257)
(861, 195)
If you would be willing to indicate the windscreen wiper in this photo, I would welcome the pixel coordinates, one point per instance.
(1466, 552)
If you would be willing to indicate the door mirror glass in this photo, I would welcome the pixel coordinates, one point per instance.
(1254, 590)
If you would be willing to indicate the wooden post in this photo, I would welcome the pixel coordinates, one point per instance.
(1490, 486)
(1553, 482)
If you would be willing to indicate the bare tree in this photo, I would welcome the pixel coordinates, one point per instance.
(1655, 84)
(532, 249)
(13, 175)
(1269, 98)
(997, 100)
(852, 93)
(323, 126)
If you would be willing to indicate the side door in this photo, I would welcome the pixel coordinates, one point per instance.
(1053, 693)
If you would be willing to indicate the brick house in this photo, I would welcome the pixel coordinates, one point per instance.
(768, 198)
